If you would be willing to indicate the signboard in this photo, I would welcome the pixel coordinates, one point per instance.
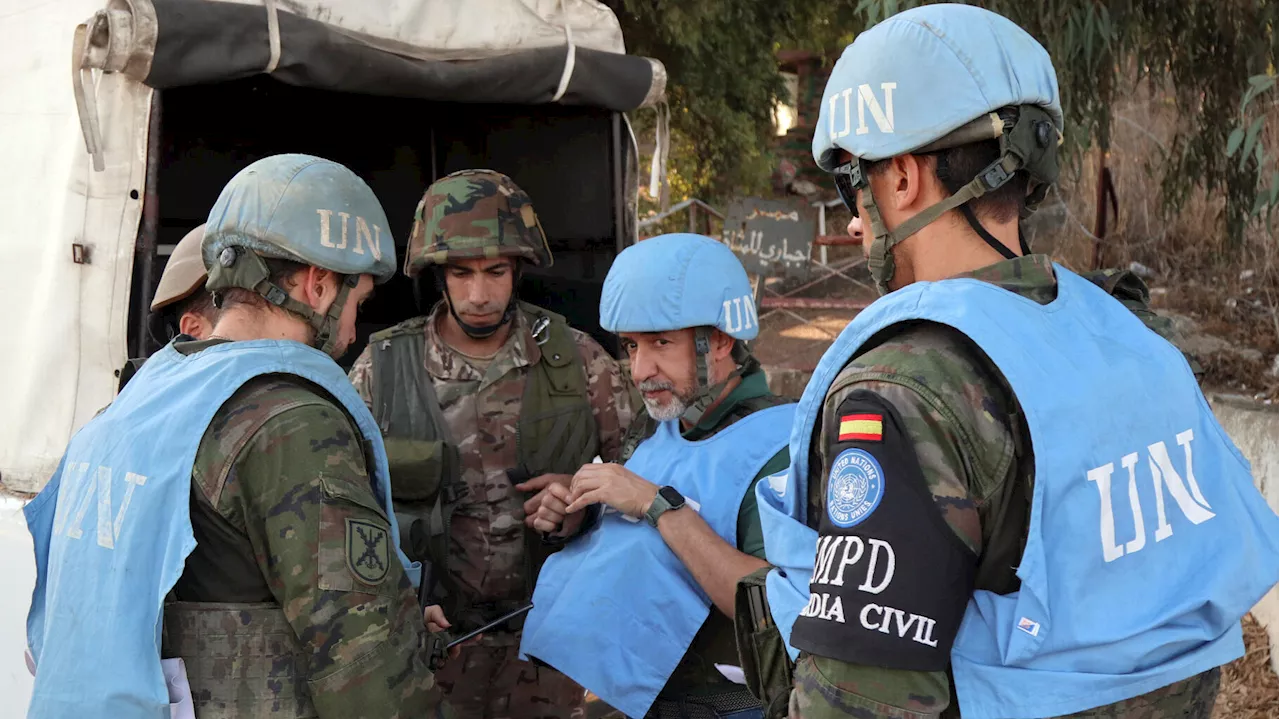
(771, 238)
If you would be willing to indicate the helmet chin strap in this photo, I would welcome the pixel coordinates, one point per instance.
(246, 270)
(479, 332)
(707, 394)
(880, 260)
(1027, 142)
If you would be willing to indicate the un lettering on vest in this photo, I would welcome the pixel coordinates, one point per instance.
(364, 235)
(840, 107)
(870, 564)
(739, 314)
(1164, 478)
(80, 488)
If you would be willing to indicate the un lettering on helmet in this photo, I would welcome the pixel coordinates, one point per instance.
(364, 235)
(738, 315)
(842, 107)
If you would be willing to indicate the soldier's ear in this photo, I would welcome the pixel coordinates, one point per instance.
(721, 345)
(319, 287)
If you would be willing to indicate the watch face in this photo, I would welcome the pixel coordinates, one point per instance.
(673, 497)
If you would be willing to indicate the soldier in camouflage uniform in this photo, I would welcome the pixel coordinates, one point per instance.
(920, 398)
(292, 603)
(182, 304)
(484, 403)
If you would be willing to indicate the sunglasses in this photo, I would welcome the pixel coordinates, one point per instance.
(849, 180)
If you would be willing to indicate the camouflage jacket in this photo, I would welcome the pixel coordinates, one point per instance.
(279, 473)
(963, 421)
(487, 543)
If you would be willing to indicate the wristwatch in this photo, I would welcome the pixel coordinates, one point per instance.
(667, 499)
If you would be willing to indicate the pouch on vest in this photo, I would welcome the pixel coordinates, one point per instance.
(556, 433)
(424, 464)
(761, 651)
(242, 660)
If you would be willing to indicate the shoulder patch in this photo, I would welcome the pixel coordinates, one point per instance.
(368, 556)
(854, 487)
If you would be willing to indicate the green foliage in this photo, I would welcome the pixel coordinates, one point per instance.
(720, 58)
(1217, 56)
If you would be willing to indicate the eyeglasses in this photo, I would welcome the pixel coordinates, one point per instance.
(849, 180)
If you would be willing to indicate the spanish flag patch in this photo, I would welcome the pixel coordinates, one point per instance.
(861, 427)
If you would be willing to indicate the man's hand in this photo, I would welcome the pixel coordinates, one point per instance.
(614, 485)
(436, 622)
(551, 515)
(435, 619)
(545, 511)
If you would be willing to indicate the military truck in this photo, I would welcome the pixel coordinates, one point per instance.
(170, 98)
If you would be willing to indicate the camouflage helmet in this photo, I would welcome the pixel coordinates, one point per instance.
(474, 214)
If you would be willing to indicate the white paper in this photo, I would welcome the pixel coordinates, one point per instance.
(732, 673)
(175, 678)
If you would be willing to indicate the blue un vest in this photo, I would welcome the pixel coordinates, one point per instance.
(112, 528)
(1139, 561)
(616, 610)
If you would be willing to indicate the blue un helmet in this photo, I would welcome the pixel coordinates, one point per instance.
(300, 208)
(930, 79)
(682, 281)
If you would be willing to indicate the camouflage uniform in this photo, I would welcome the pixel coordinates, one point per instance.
(481, 214)
(278, 474)
(481, 409)
(966, 430)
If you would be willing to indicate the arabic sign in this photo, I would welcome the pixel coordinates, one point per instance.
(770, 237)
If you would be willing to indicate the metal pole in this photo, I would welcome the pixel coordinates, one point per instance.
(144, 248)
(822, 230)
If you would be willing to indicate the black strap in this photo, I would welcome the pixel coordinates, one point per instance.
(995, 244)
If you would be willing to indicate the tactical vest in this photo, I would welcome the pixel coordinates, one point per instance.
(121, 499)
(556, 433)
(232, 652)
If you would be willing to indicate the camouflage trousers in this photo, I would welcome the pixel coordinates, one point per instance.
(490, 682)
(817, 694)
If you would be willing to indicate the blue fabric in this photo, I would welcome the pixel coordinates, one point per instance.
(1128, 584)
(112, 528)
(923, 73)
(303, 208)
(616, 610)
(673, 282)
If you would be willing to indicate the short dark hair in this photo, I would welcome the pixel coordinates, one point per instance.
(199, 302)
(957, 166)
(165, 323)
(282, 272)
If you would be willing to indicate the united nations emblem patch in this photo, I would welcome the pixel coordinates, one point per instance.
(854, 488)
(368, 553)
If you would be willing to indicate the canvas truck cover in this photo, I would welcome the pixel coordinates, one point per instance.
(82, 76)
